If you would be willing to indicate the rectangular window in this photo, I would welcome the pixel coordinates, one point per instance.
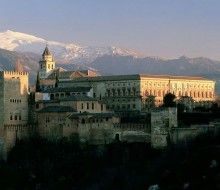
(101, 107)
(93, 106)
(87, 106)
(47, 119)
(82, 106)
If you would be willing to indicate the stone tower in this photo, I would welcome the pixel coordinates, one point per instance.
(13, 98)
(47, 64)
(13, 108)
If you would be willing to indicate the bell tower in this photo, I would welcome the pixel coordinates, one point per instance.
(46, 64)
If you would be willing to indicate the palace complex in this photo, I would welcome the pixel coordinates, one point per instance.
(84, 103)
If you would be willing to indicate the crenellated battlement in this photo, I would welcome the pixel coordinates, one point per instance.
(13, 73)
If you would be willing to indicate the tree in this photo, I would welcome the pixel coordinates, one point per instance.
(168, 100)
(185, 103)
(38, 83)
(150, 102)
(214, 107)
(57, 81)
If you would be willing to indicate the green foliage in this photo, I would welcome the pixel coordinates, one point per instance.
(66, 164)
(57, 81)
(38, 83)
(168, 100)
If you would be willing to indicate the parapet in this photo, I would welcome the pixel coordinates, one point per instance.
(4, 74)
(14, 72)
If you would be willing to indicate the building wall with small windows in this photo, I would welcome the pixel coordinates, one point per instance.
(200, 89)
(13, 107)
(13, 97)
(91, 106)
(129, 92)
(50, 124)
(57, 122)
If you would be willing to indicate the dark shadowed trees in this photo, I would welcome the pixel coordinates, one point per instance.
(169, 100)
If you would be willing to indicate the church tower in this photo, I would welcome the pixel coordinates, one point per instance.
(46, 63)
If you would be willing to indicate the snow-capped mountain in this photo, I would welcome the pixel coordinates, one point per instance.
(63, 52)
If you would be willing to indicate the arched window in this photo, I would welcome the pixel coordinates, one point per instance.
(159, 93)
(117, 137)
(146, 93)
(52, 96)
(83, 121)
(123, 92)
(119, 92)
(37, 106)
(194, 94)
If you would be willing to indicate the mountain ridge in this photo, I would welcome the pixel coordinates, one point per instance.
(63, 52)
(112, 61)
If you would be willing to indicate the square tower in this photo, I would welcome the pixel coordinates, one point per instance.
(47, 64)
(13, 98)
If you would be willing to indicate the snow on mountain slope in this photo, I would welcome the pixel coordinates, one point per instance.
(63, 52)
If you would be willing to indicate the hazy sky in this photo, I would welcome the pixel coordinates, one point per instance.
(165, 28)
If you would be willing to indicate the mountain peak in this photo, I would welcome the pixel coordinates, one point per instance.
(11, 40)
(63, 52)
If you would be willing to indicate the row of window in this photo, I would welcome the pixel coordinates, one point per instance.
(175, 85)
(48, 66)
(123, 100)
(160, 93)
(15, 117)
(83, 121)
(47, 119)
(62, 95)
(121, 92)
(15, 100)
(161, 84)
(119, 107)
(191, 94)
(89, 105)
(122, 84)
(93, 120)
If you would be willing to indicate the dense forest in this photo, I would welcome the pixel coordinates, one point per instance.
(67, 164)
